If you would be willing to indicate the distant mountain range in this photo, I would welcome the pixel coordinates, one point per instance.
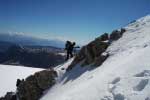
(4, 45)
(19, 49)
(31, 56)
(29, 40)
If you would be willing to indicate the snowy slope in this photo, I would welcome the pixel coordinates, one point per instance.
(125, 75)
(9, 74)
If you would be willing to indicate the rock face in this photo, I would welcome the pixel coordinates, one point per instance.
(94, 53)
(104, 37)
(91, 53)
(34, 86)
(9, 96)
(116, 34)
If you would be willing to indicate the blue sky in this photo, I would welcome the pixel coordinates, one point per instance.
(78, 20)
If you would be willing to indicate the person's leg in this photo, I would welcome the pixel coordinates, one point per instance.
(71, 54)
(67, 55)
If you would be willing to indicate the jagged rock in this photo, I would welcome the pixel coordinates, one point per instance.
(99, 60)
(34, 86)
(45, 79)
(9, 96)
(90, 53)
(94, 50)
(116, 34)
(122, 31)
(104, 37)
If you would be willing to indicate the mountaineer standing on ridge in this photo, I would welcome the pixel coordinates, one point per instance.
(69, 47)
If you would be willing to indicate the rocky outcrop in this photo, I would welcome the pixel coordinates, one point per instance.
(116, 34)
(9, 96)
(104, 37)
(94, 52)
(91, 53)
(33, 86)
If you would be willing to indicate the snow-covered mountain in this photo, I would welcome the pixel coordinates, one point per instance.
(30, 40)
(125, 75)
(9, 75)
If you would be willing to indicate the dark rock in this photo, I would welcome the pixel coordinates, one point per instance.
(45, 79)
(34, 86)
(9, 96)
(122, 31)
(2, 98)
(104, 37)
(99, 60)
(94, 50)
(90, 53)
(62, 68)
(116, 34)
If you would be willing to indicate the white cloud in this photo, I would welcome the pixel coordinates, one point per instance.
(15, 33)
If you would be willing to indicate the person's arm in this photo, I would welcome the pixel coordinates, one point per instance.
(77, 47)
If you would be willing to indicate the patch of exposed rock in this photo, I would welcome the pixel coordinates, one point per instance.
(33, 87)
(116, 34)
(94, 52)
(9, 96)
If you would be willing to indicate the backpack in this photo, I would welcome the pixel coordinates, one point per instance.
(68, 44)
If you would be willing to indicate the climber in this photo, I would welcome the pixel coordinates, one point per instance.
(69, 47)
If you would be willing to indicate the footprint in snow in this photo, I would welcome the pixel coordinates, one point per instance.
(112, 85)
(116, 80)
(119, 97)
(143, 73)
(111, 89)
(90, 77)
(107, 98)
(148, 98)
(141, 85)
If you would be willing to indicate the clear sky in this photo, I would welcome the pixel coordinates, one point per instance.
(79, 20)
